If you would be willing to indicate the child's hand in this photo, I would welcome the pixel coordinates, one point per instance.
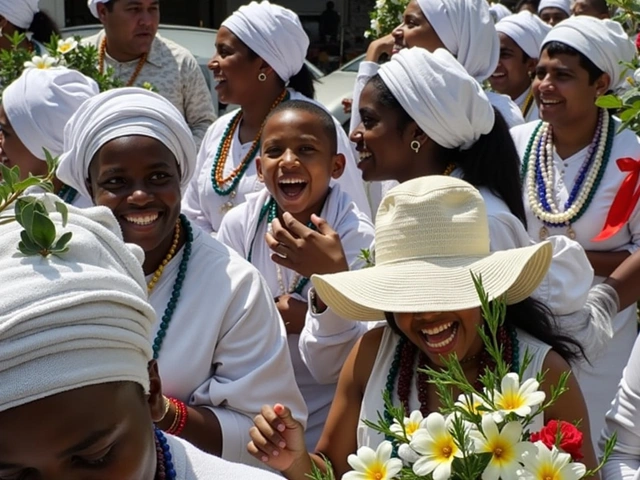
(293, 313)
(347, 103)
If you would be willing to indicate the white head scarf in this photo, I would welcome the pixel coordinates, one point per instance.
(604, 42)
(274, 33)
(19, 13)
(40, 103)
(564, 5)
(120, 113)
(437, 92)
(467, 30)
(93, 6)
(526, 29)
(499, 11)
(74, 320)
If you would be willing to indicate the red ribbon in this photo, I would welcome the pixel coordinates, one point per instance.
(625, 202)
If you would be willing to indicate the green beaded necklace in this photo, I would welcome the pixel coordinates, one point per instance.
(177, 289)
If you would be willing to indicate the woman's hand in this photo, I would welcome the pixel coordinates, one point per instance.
(304, 250)
(379, 47)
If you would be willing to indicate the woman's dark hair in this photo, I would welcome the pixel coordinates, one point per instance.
(534, 318)
(302, 82)
(559, 48)
(522, 3)
(42, 27)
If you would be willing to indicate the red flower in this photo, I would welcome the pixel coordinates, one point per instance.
(570, 438)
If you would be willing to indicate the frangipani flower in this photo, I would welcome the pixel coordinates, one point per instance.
(370, 465)
(436, 446)
(411, 425)
(470, 404)
(542, 463)
(41, 62)
(516, 398)
(65, 46)
(504, 446)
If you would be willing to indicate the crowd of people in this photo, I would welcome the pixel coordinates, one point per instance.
(238, 292)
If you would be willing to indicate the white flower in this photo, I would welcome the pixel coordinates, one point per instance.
(470, 403)
(516, 398)
(411, 425)
(65, 46)
(636, 75)
(375, 25)
(504, 446)
(436, 446)
(42, 62)
(380, 4)
(408, 454)
(541, 463)
(370, 465)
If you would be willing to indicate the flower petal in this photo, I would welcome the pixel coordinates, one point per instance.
(425, 465)
(393, 467)
(383, 452)
(442, 471)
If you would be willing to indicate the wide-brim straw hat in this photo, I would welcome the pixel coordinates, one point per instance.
(432, 234)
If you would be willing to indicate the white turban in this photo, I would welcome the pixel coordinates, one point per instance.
(76, 319)
(467, 30)
(499, 11)
(93, 6)
(274, 33)
(119, 113)
(19, 13)
(564, 5)
(526, 29)
(443, 99)
(604, 42)
(40, 103)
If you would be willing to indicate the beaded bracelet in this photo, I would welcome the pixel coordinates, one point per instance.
(180, 418)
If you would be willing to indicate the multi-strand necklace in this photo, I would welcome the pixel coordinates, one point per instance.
(226, 186)
(136, 73)
(538, 171)
(165, 469)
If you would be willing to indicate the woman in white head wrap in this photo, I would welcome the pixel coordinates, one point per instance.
(499, 11)
(585, 161)
(219, 341)
(34, 111)
(554, 11)
(20, 16)
(75, 349)
(521, 37)
(259, 63)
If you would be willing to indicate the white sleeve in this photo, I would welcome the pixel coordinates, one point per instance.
(191, 197)
(623, 419)
(231, 232)
(366, 70)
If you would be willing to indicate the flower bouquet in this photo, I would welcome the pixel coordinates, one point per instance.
(386, 16)
(483, 434)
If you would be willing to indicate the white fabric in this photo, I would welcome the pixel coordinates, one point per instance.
(204, 206)
(19, 13)
(274, 33)
(240, 230)
(119, 113)
(193, 464)
(526, 30)
(507, 108)
(564, 5)
(467, 30)
(598, 382)
(437, 92)
(373, 404)
(604, 42)
(533, 114)
(93, 6)
(226, 333)
(76, 319)
(499, 11)
(40, 103)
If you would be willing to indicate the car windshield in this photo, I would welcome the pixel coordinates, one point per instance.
(353, 65)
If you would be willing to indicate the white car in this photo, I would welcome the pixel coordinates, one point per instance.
(332, 89)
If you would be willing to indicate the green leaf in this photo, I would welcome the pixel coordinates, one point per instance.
(24, 211)
(609, 101)
(6, 175)
(629, 114)
(62, 209)
(31, 181)
(28, 241)
(63, 241)
(43, 231)
(52, 162)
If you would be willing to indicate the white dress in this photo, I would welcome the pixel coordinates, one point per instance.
(207, 209)
(599, 380)
(372, 401)
(240, 231)
(225, 348)
(533, 114)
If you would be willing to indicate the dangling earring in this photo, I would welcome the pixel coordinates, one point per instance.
(262, 77)
(415, 146)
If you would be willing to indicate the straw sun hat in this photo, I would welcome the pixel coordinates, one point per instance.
(432, 233)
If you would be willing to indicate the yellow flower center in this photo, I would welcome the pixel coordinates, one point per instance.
(497, 452)
(65, 48)
(511, 401)
(377, 471)
(411, 428)
(446, 452)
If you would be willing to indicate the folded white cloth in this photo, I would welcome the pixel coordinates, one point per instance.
(119, 113)
(274, 33)
(73, 320)
(437, 92)
(93, 6)
(564, 5)
(526, 30)
(499, 11)
(19, 13)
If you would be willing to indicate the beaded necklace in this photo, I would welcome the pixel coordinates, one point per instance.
(164, 469)
(538, 172)
(172, 251)
(67, 194)
(177, 289)
(528, 103)
(101, 54)
(226, 186)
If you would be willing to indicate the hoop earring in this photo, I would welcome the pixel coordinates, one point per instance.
(415, 146)
(262, 77)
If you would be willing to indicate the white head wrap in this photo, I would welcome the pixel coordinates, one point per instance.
(274, 33)
(467, 30)
(40, 103)
(604, 42)
(119, 113)
(93, 6)
(526, 29)
(564, 5)
(443, 99)
(19, 13)
(73, 320)
(499, 11)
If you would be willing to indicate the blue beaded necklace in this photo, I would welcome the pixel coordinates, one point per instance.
(165, 469)
(177, 289)
(67, 194)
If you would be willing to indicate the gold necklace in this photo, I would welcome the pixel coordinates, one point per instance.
(528, 103)
(172, 251)
(101, 54)
(449, 170)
